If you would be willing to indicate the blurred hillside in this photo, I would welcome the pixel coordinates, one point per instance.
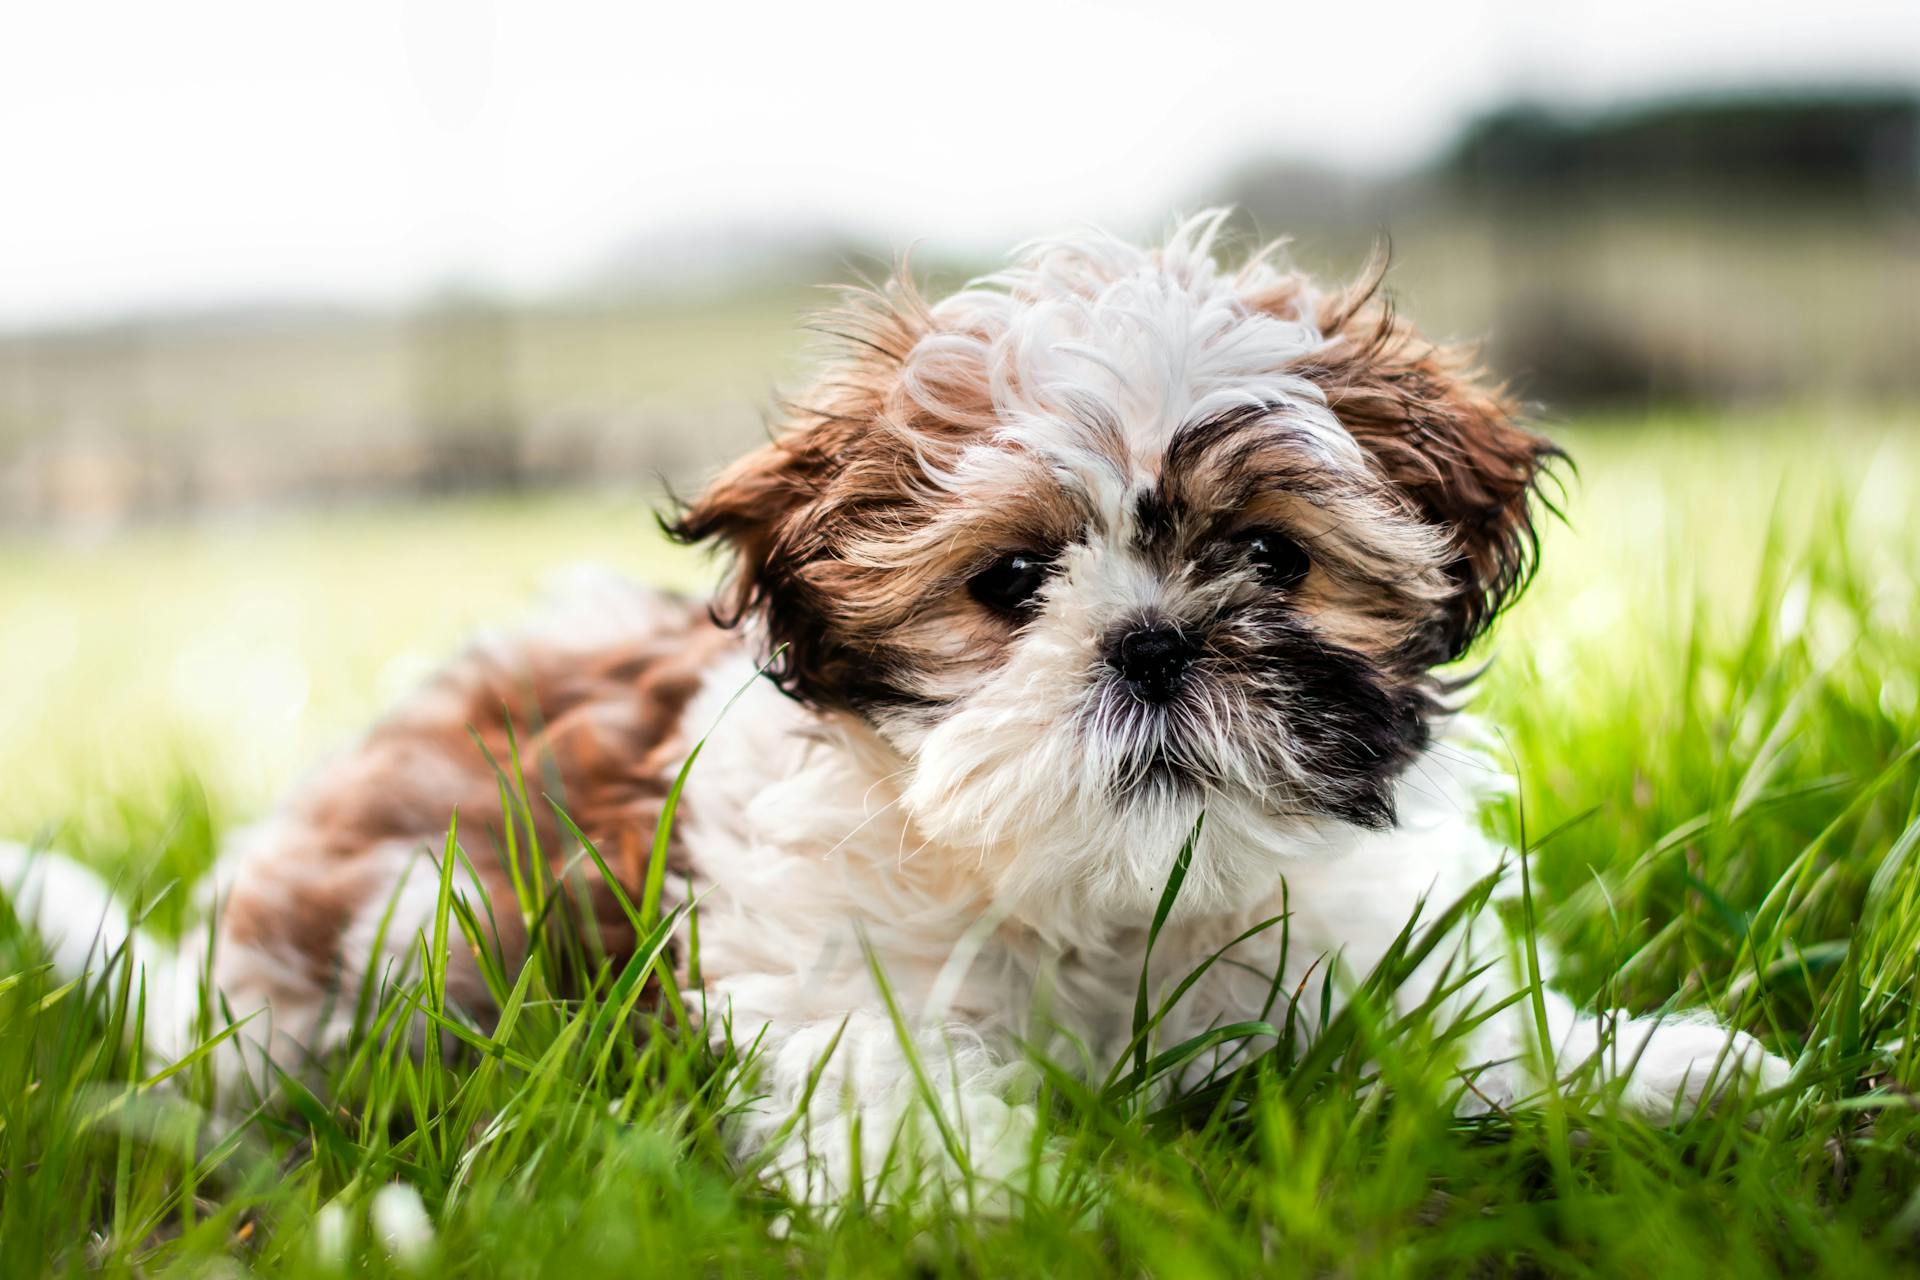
(1691, 253)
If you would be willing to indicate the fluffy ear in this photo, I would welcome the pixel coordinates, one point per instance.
(749, 509)
(1448, 440)
(757, 511)
(789, 511)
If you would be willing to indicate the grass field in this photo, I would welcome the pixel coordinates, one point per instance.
(1711, 699)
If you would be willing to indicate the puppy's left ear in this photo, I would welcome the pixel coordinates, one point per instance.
(1449, 440)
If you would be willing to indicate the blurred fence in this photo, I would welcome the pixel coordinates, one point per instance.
(238, 410)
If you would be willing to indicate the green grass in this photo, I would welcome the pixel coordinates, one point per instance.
(1710, 700)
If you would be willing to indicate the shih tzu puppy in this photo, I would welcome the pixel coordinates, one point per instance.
(1031, 580)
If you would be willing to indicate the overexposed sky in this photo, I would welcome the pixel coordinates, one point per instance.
(194, 152)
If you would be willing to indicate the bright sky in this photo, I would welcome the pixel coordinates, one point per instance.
(200, 151)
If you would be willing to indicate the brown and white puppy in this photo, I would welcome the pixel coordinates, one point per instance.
(1039, 574)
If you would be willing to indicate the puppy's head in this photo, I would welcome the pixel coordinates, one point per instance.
(1119, 535)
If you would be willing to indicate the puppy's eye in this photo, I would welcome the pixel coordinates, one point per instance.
(1011, 583)
(1279, 560)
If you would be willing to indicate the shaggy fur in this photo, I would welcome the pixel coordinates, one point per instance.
(1039, 574)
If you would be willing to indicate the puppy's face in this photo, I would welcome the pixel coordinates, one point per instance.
(1118, 537)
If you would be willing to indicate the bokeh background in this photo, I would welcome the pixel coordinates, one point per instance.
(327, 331)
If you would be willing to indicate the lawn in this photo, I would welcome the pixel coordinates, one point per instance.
(1711, 699)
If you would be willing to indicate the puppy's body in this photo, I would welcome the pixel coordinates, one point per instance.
(1042, 574)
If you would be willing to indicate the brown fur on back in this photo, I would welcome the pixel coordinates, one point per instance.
(599, 729)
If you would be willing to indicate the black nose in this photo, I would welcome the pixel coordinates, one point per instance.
(1154, 660)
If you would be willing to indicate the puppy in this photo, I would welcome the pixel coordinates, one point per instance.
(1110, 548)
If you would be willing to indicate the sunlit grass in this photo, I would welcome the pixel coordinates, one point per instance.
(239, 650)
(1710, 700)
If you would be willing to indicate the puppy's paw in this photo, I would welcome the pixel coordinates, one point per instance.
(987, 1158)
(1009, 1158)
(69, 908)
(1681, 1066)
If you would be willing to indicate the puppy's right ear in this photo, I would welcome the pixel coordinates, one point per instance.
(768, 508)
(755, 510)
(840, 472)
(785, 512)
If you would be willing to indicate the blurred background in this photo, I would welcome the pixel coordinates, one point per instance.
(324, 330)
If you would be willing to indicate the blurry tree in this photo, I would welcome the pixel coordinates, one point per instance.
(1701, 250)
(1859, 146)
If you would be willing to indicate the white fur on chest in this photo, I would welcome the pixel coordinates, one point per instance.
(810, 872)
